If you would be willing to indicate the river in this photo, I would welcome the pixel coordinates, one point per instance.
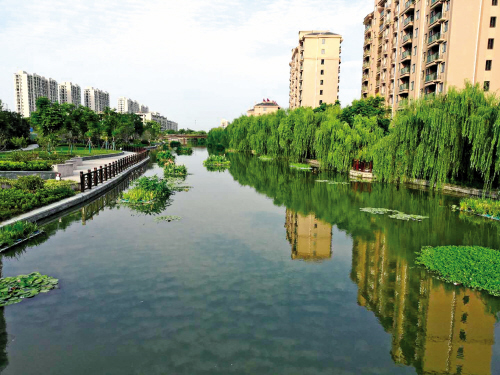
(268, 272)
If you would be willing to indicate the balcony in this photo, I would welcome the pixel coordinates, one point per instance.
(434, 3)
(435, 18)
(434, 58)
(405, 87)
(368, 28)
(432, 78)
(368, 41)
(366, 77)
(407, 39)
(402, 103)
(406, 55)
(364, 89)
(367, 53)
(436, 38)
(404, 72)
(408, 22)
(366, 65)
(409, 5)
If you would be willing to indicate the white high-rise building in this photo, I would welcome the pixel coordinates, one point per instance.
(126, 105)
(95, 99)
(70, 93)
(165, 124)
(144, 108)
(28, 88)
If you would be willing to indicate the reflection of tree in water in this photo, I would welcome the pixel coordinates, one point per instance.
(437, 328)
(311, 239)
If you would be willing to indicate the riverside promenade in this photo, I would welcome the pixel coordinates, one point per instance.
(94, 163)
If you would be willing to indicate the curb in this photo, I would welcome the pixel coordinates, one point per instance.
(56, 207)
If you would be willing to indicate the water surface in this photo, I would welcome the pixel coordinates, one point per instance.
(268, 272)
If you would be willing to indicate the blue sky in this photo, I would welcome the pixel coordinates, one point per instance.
(195, 62)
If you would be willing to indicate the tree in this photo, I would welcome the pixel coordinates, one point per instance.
(49, 119)
(370, 107)
(12, 125)
(151, 130)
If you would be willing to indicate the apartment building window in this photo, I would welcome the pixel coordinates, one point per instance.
(445, 45)
(413, 68)
(412, 85)
(488, 65)
(440, 87)
(415, 51)
(418, 14)
(321, 92)
(443, 67)
(322, 72)
(493, 22)
(494, 2)
(491, 43)
(486, 86)
(322, 61)
(445, 26)
(322, 51)
(321, 82)
(323, 41)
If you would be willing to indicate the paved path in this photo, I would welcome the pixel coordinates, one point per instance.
(29, 148)
(91, 164)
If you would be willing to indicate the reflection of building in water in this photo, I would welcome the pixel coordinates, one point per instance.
(436, 328)
(311, 239)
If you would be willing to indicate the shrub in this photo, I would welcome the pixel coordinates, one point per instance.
(147, 189)
(174, 144)
(25, 166)
(54, 184)
(30, 183)
(184, 150)
(473, 266)
(218, 160)
(173, 170)
(165, 157)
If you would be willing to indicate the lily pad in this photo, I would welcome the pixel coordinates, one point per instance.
(15, 289)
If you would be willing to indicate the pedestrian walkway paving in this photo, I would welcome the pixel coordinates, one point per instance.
(95, 163)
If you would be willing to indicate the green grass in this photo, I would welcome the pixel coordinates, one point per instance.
(473, 266)
(64, 150)
(487, 207)
(20, 230)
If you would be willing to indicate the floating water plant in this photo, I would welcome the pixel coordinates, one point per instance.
(488, 208)
(184, 150)
(147, 189)
(217, 160)
(173, 170)
(15, 289)
(300, 166)
(168, 219)
(394, 214)
(473, 266)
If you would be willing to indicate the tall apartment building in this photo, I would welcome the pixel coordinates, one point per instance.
(165, 124)
(28, 88)
(70, 93)
(315, 69)
(144, 108)
(126, 105)
(95, 99)
(414, 48)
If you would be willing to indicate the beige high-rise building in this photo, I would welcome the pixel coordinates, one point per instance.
(415, 48)
(126, 105)
(28, 88)
(70, 93)
(315, 69)
(95, 99)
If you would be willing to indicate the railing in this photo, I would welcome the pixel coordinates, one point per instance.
(362, 166)
(407, 37)
(434, 2)
(408, 4)
(431, 77)
(98, 176)
(405, 71)
(434, 37)
(404, 87)
(435, 18)
(408, 20)
(405, 54)
(432, 57)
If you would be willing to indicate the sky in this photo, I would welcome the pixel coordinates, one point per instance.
(194, 61)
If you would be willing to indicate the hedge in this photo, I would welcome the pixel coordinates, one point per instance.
(25, 166)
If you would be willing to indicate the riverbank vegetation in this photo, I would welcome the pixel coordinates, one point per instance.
(217, 161)
(184, 150)
(485, 207)
(30, 192)
(473, 266)
(15, 289)
(20, 230)
(452, 138)
(174, 170)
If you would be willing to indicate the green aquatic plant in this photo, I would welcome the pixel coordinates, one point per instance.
(395, 214)
(165, 157)
(265, 158)
(147, 189)
(15, 289)
(168, 219)
(473, 266)
(486, 207)
(217, 160)
(173, 170)
(184, 150)
(300, 166)
(12, 233)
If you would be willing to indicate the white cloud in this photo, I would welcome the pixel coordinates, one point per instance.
(191, 60)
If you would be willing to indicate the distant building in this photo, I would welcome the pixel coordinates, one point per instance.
(144, 108)
(172, 125)
(95, 99)
(28, 88)
(315, 69)
(264, 108)
(70, 93)
(224, 123)
(126, 105)
(165, 124)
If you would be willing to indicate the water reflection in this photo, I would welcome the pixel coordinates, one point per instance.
(311, 239)
(436, 328)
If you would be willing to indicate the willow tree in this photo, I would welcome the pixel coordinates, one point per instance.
(447, 138)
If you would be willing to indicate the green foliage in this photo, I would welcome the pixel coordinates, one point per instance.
(300, 166)
(30, 183)
(173, 170)
(19, 142)
(25, 166)
(184, 150)
(16, 201)
(12, 233)
(15, 289)
(473, 266)
(217, 137)
(326, 133)
(217, 160)
(487, 207)
(146, 189)
(174, 144)
(445, 138)
(12, 126)
(165, 157)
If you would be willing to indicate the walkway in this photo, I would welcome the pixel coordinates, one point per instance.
(91, 164)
